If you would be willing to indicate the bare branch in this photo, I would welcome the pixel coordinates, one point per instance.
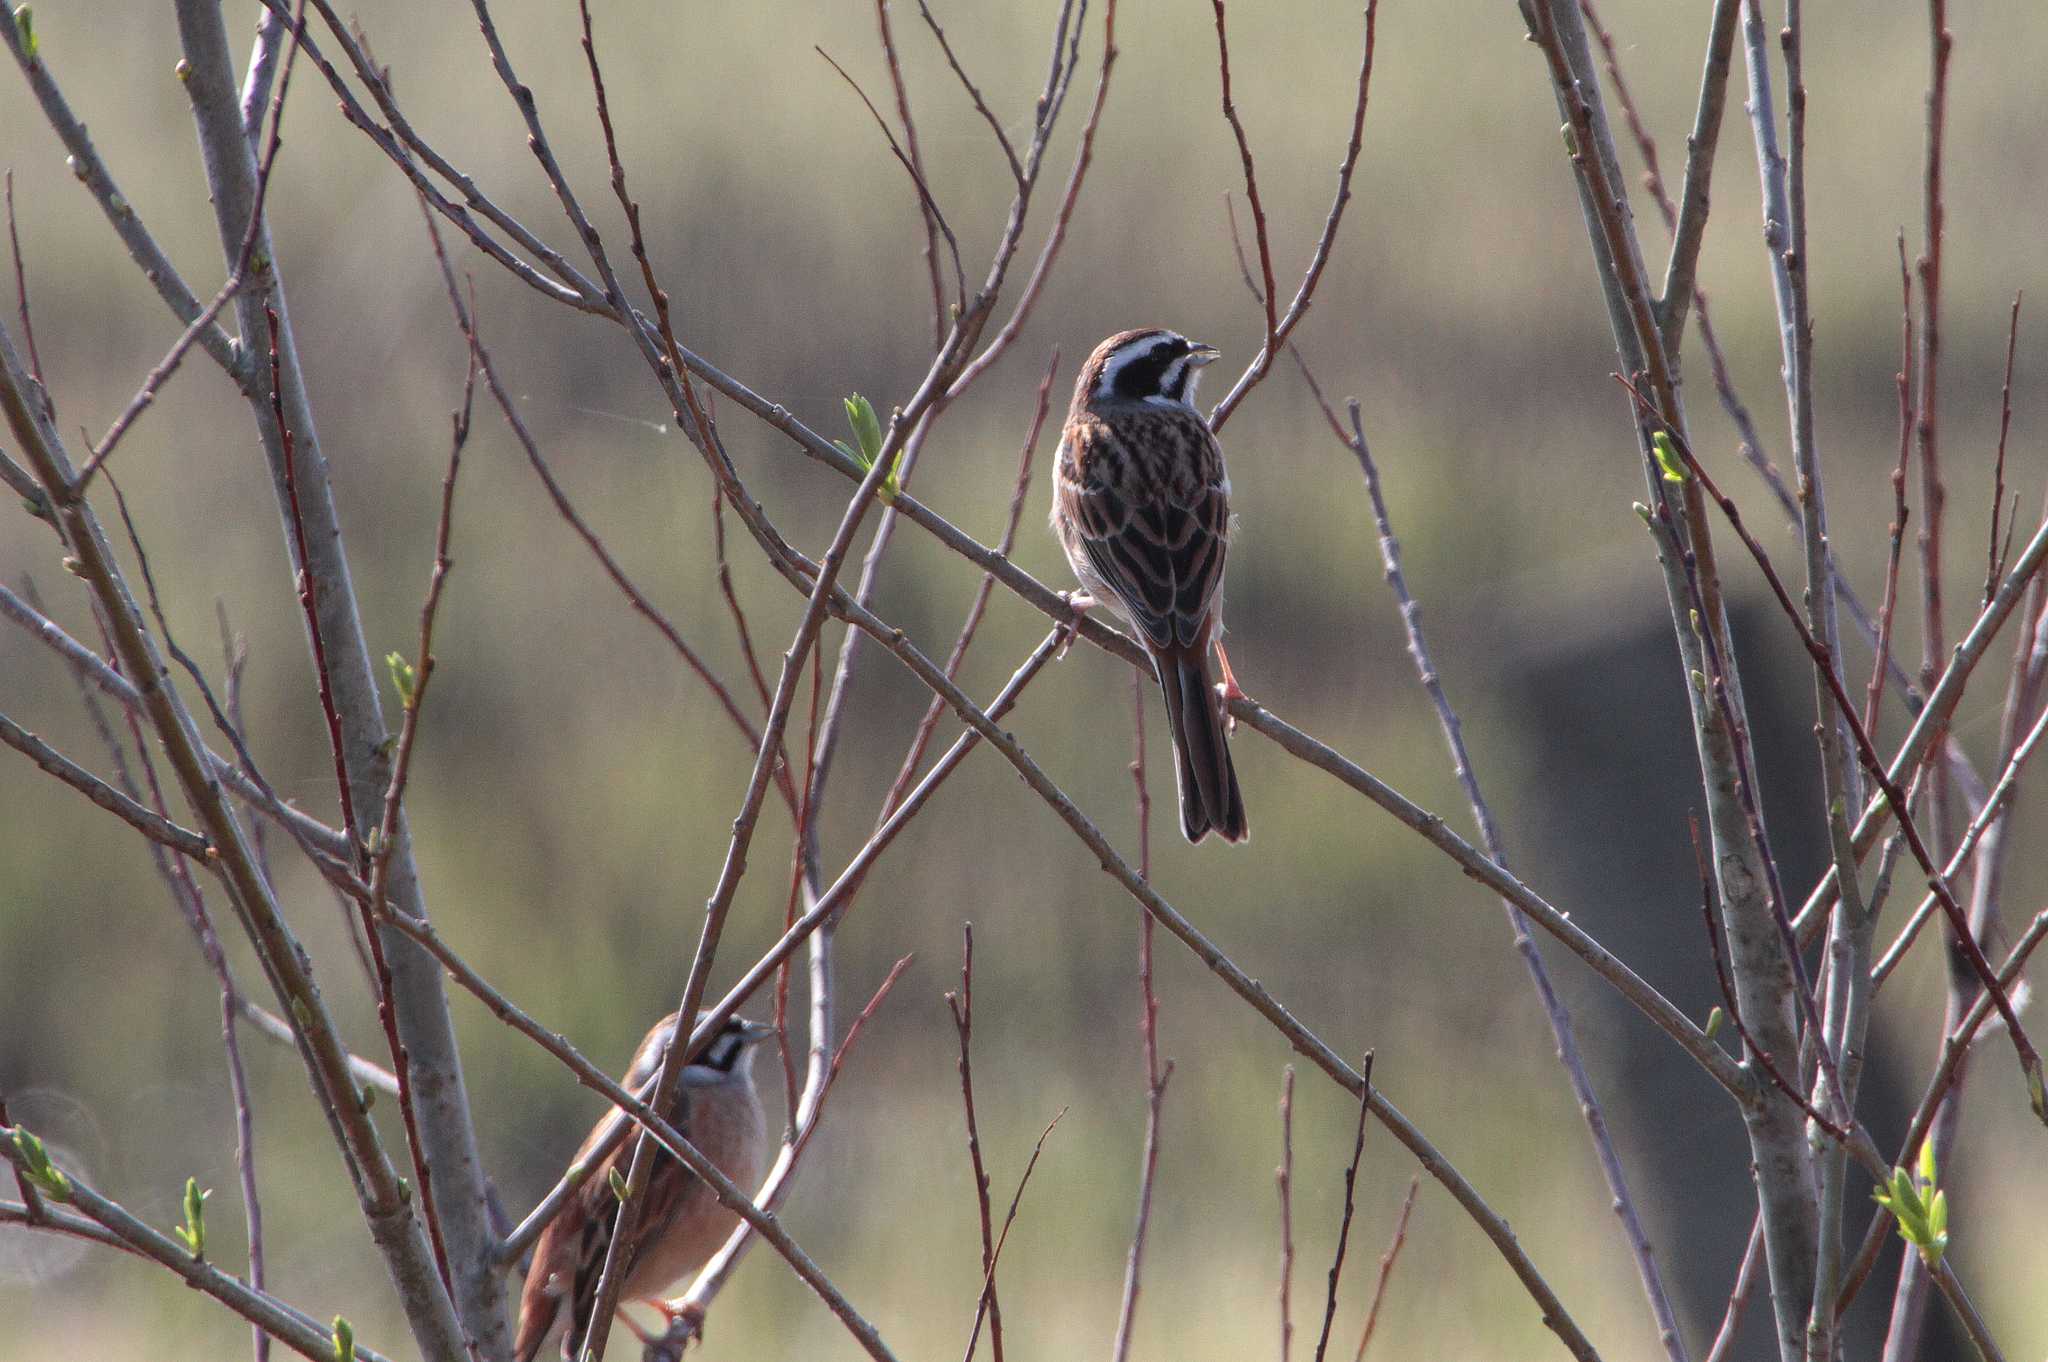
(961, 1005)
(988, 1285)
(1993, 558)
(143, 819)
(910, 168)
(1387, 1260)
(925, 214)
(1276, 332)
(106, 1222)
(1283, 1178)
(1344, 1224)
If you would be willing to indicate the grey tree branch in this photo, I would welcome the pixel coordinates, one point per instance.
(1689, 231)
(419, 1004)
(1854, 925)
(142, 246)
(310, 832)
(1752, 913)
(141, 817)
(386, 1210)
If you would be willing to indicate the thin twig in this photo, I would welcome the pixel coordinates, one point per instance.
(1251, 183)
(401, 1062)
(961, 1004)
(1344, 1223)
(1084, 155)
(245, 265)
(2030, 1062)
(1987, 817)
(106, 1222)
(1280, 330)
(28, 330)
(995, 125)
(143, 819)
(1387, 1260)
(924, 212)
(988, 1285)
(1555, 1011)
(1283, 1177)
(1873, 704)
(1993, 559)
(925, 200)
(1148, 1027)
(1738, 1295)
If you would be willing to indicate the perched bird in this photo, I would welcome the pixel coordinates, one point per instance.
(1141, 505)
(715, 1105)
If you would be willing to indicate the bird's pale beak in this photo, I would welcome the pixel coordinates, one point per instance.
(755, 1032)
(1202, 353)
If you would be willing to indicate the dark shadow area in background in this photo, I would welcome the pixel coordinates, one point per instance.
(1611, 734)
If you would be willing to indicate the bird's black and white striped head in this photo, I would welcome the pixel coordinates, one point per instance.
(727, 1057)
(1151, 365)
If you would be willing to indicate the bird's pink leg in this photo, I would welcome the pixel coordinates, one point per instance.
(691, 1314)
(1228, 689)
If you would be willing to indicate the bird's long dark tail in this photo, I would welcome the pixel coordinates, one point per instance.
(1209, 797)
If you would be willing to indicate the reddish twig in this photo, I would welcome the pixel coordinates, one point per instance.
(1084, 154)
(1874, 702)
(1020, 491)
(308, 591)
(2030, 1062)
(732, 600)
(1280, 330)
(1344, 1223)
(995, 125)
(28, 330)
(245, 265)
(1251, 180)
(924, 210)
(1994, 804)
(1734, 1013)
(1738, 1295)
(988, 1284)
(961, 1004)
(1387, 1260)
(933, 214)
(1955, 1048)
(693, 417)
(1148, 1027)
(1284, 1177)
(1994, 560)
(414, 697)
(1926, 412)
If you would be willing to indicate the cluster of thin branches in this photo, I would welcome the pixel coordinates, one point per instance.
(1803, 1030)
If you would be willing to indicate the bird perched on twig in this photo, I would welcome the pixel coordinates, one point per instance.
(715, 1105)
(1141, 504)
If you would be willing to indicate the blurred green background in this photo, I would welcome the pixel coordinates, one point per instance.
(574, 783)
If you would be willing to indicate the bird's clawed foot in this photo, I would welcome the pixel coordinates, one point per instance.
(685, 1322)
(1080, 602)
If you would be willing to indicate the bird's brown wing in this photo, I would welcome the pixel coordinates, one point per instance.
(569, 1258)
(1145, 495)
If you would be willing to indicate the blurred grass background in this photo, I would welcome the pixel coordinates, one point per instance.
(574, 783)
